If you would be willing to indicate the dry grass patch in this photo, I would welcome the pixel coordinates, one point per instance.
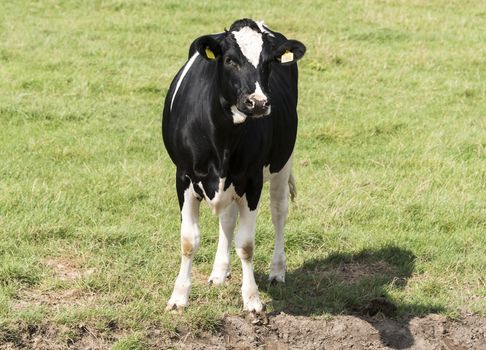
(68, 269)
(55, 299)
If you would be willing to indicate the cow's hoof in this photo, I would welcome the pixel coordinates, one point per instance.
(177, 302)
(253, 305)
(174, 307)
(218, 278)
(277, 269)
(276, 278)
(216, 281)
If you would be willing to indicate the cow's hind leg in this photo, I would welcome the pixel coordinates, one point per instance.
(227, 223)
(279, 201)
(190, 237)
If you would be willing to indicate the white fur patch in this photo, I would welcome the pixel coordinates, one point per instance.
(258, 94)
(250, 43)
(183, 74)
(238, 117)
(222, 198)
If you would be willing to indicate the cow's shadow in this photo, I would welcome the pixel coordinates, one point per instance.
(353, 284)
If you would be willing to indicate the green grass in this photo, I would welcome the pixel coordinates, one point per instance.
(390, 163)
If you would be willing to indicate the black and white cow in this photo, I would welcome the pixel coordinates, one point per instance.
(229, 125)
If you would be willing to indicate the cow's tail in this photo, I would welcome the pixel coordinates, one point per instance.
(292, 187)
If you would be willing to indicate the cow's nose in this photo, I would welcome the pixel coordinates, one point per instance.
(257, 105)
(250, 103)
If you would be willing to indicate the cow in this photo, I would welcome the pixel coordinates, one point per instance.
(230, 124)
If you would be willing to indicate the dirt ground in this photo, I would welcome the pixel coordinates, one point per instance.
(282, 331)
(343, 332)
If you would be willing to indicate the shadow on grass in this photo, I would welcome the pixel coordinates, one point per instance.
(353, 284)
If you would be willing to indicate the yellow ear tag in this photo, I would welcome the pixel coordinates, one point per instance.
(210, 54)
(287, 57)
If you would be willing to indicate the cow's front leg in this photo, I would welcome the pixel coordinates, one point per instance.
(190, 238)
(245, 244)
(227, 223)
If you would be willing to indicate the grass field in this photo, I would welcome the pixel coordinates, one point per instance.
(390, 164)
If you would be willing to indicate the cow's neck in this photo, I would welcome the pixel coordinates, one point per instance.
(225, 127)
(226, 136)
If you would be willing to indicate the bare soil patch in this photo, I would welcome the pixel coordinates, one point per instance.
(273, 332)
(50, 336)
(342, 332)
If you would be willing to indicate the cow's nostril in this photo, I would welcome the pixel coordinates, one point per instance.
(249, 103)
(266, 104)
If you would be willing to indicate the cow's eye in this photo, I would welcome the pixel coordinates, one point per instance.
(231, 62)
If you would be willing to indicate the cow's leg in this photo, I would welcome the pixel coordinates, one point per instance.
(279, 202)
(245, 243)
(227, 223)
(190, 238)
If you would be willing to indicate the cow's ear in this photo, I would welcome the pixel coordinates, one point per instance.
(290, 51)
(208, 47)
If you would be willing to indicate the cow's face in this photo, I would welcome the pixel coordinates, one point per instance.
(245, 55)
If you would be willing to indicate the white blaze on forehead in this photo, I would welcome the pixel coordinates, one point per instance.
(250, 43)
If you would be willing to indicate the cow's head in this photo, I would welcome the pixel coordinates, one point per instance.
(245, 55)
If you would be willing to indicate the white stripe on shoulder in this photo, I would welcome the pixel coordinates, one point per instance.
(183, 74)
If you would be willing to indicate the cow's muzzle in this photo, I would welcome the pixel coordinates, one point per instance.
(256, 106)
